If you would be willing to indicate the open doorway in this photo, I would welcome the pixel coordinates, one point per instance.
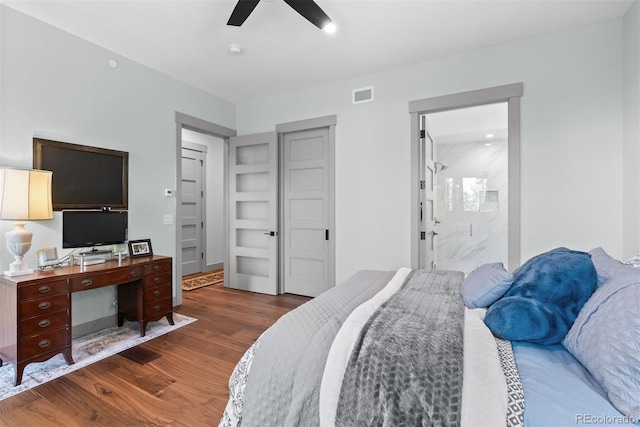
(423, 223)
(221, 133)
(471, 186)
(202, 202)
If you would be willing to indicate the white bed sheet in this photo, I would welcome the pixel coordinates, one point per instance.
(484, 390)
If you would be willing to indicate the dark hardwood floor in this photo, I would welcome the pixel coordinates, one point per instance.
(179, 379)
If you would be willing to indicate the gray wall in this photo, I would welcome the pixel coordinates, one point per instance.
(572, 143)
(631, 149)
(57, 86)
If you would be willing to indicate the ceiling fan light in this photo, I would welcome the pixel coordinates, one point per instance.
(330, 28)
(234, 49)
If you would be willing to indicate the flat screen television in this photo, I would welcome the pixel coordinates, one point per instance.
(89, 228)
(84, 177)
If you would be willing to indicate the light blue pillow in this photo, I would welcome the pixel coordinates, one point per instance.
(485, 285)
(605, 338)
(605, 265)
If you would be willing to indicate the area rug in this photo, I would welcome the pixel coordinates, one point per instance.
(201, 281)
(87, 350)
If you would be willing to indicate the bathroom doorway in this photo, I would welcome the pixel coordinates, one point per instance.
(471, 185)
(482, 198)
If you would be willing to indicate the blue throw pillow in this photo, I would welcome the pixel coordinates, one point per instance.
(547, 293)
(485, 285)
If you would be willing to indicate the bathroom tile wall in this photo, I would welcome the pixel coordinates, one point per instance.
(471, 205)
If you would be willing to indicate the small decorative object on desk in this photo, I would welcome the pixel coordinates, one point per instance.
(120, 251)
(140, 248)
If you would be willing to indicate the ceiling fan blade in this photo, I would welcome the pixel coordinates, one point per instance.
(242, 11)
(311, 11)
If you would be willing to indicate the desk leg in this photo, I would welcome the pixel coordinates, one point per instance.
(170, 318)
(67, 356)
(19, 370)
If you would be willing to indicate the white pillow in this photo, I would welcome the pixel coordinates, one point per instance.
(605, 338)
(485, 285)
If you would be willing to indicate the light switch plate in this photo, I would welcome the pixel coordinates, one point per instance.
(168, 219)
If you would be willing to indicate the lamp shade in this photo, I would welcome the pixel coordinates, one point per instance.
(25, 195)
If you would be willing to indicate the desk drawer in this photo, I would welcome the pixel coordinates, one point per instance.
(44, 323)
(44, 343)
(42, 289)
(158, 267)
(38, 306)
(106, 279)
(157, 308)
(157, 280)
(157, 293)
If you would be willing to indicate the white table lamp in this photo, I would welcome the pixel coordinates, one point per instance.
(25, 195)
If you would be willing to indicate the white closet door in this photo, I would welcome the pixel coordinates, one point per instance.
(253, 213)
(191, 211)
(306, 212)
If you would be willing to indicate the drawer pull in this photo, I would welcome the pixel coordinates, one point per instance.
(44, 289)
(156, 308)
(156, 268)
(157, 293)
(44, 305)
(44, 323)
(44, 343)
(156, 280)
(87, 282)
(133, 273)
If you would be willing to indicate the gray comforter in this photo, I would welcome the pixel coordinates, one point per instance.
(405, 367)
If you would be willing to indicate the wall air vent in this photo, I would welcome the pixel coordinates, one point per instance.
(364, 94)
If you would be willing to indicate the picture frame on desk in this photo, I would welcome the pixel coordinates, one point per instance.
(139, 248)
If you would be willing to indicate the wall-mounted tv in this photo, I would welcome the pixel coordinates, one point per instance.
(86, 228)
(84, 177)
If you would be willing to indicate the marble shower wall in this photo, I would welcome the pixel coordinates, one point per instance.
(471, 205)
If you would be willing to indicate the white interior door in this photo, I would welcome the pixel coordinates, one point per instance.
(253, 213)
(191, 211)
(427, 206)
(306, 213)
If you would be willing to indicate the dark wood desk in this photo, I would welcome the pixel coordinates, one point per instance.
(35, 309)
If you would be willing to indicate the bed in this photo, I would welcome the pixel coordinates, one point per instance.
(413, 347)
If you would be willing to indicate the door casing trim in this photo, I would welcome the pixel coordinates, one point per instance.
(198, 125)
(510, 93)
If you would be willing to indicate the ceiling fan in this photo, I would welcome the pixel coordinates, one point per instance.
(307, 8)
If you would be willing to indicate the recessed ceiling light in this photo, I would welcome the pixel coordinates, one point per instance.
(489, 135)
(330, 28)
(234, 49)
(113, 63)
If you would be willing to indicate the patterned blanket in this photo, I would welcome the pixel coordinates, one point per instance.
(402, 366)
(406, 365)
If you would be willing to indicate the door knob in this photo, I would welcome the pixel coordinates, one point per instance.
(271, 233)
